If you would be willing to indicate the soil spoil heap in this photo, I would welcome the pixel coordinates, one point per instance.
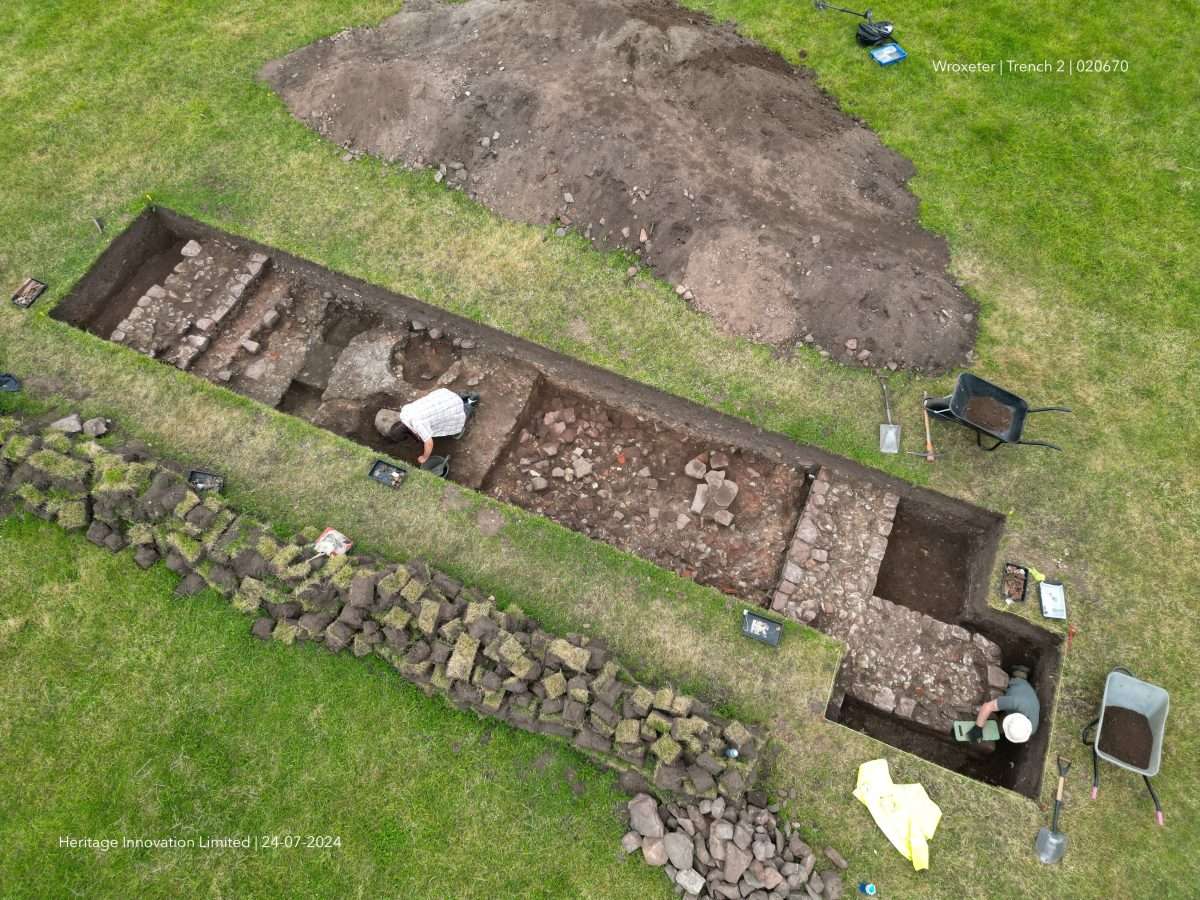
(649, 127)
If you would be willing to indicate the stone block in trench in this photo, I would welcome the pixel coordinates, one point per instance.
(365, 367)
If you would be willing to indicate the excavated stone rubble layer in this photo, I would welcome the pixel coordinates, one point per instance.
(898, 573)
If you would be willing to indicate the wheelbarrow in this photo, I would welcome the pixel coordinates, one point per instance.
(989, 410)
(1124, 693)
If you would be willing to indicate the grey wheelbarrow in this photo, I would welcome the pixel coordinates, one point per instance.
(1133, 717)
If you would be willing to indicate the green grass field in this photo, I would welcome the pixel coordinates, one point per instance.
(130, 713)
(1072, 208)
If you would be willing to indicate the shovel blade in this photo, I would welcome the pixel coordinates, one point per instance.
(1050, 845)
(889, 438)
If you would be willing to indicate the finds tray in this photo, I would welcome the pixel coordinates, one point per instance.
(28, 292)
(387, 474)
(888, 54)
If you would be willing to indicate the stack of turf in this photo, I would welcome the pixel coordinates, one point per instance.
(449, 639)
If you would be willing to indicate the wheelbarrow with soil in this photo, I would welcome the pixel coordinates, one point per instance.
(988, 409)
(1133, 716)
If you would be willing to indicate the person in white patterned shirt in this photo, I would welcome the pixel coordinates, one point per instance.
(440, 413)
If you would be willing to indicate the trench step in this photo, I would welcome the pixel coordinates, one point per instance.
(898, 660)
(176, 320)
(907, 663)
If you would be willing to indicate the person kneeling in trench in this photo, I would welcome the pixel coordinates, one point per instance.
(440, 413)
(1021, 706)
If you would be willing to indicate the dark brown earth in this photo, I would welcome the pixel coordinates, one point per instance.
(991, 763)
(649, 127)
(1126, 735)
(925, 566)
(989, 413)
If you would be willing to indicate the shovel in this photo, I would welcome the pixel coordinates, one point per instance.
(1051, 843)
(889, 434)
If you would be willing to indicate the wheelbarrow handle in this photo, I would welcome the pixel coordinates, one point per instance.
(1158, 813)
(1039, 444)
(1048, 409)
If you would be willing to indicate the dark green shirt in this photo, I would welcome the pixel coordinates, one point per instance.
(1021, 697)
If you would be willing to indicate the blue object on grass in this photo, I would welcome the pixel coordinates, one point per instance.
(888, 54)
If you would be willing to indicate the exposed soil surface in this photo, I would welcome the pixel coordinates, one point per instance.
(925, 567)
(621, 478)
(989, 413)
(649, 127)
(1125, 734)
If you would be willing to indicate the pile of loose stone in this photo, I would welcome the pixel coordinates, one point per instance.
(449, 639)
(718, 849)
(715, 493)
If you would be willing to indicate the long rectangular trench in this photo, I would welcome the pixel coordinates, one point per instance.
(869, 559)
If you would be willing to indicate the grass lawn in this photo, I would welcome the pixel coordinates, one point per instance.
(1072, 207)
(130, 713)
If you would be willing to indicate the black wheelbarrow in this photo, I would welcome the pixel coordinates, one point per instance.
(988, 409)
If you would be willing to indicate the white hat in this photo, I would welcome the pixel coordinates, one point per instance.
(1017, 727)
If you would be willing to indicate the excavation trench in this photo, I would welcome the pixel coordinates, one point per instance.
(868, 559)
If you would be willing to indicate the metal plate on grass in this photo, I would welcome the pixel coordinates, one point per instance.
(1054, 600)
(760, 628)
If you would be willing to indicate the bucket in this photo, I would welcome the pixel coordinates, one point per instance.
(1147, 699)
(438, 465)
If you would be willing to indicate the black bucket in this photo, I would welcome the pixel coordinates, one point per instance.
(437, 465)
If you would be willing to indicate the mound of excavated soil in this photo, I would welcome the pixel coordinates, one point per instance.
(649, 127)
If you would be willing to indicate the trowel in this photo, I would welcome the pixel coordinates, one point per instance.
(1051, 843)
(889, 434)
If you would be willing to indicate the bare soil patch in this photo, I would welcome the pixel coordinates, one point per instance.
(651, 128)
(926, 566)
(989, 413)
(1125, 734)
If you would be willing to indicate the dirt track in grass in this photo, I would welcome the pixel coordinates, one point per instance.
(646, 126)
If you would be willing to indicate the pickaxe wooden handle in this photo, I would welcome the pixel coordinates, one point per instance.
(929, 457)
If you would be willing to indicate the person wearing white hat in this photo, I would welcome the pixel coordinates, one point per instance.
(1021, 707)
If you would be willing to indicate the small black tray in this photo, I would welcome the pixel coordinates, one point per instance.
(387, 474)
(202, 482)
(760, 628)
(1024, 570)
(27, 293)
